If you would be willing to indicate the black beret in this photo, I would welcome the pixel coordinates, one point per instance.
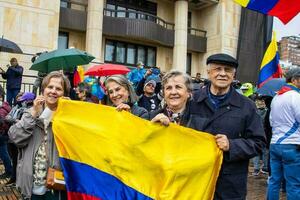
(224, 59)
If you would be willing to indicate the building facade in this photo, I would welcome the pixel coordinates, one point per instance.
(170, 34)
(289, 49)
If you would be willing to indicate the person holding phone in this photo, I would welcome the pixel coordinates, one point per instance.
(34, 137)
(13, 75)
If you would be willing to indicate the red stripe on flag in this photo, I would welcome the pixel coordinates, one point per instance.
(285, 10)
(80, 196)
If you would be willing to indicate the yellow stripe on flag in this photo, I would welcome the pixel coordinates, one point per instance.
(165, 163)
(271, 52)
(80, 70)
(243, 3)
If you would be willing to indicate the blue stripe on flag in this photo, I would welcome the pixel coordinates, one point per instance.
(289, 133)
(268, 70)
(85, 179)
(263, 6)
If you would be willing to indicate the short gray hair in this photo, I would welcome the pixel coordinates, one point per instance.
(122, 80)
(187, 79)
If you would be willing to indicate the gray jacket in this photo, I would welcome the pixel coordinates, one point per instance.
(28, 134)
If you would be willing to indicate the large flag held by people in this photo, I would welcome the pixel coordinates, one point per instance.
(285, 10)
(111, 155)
(270, 67)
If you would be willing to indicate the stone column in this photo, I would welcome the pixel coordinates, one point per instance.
(94, 26)
(180, 42)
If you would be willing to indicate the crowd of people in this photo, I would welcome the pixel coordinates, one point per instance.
(245, 124)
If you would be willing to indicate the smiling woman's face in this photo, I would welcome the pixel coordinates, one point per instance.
(53, 91)
(176, 93)
(117, 93)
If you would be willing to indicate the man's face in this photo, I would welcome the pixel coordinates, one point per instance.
(13, 63)
(198, 76)
(221, 76)
(149, 89)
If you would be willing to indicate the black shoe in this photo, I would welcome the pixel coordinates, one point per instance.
(5, 175)
(11, 182)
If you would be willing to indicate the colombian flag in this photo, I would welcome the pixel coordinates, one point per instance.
(78, 75)
(110, 155)
(270, 67)
(285, 10)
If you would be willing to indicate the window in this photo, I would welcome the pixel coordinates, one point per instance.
(189, 63)
(121, 14)
(109, 51)
(151, 57)
(141, 54)
(63, 40)
(65, 4)
(134, 5)
(189, 21)
(120, 56)
(108, 12)
(129, 54)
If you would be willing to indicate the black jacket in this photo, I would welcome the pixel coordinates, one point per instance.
(238, 120)
(14, 77)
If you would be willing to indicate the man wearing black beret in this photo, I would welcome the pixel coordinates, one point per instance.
(233, 120)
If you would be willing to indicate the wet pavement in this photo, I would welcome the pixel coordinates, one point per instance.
(257, 186)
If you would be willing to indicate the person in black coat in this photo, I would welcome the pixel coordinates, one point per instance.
(220, 110)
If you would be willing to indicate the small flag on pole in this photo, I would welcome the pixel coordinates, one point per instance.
(270, 67)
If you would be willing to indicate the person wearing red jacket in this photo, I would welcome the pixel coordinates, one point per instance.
(4, 110)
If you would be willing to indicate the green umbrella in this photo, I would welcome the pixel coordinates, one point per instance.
(61, 59)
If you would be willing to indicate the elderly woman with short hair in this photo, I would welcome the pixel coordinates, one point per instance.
(121, 95)
(177, 92)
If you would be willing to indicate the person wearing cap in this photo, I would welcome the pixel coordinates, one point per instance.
(285, 142)
(148, 91)
(232, 118)
(149, 99)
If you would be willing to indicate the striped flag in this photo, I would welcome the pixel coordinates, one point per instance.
(285, 10)
(110, 155)
(270, 67)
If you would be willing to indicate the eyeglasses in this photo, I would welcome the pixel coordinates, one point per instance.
(228, 70)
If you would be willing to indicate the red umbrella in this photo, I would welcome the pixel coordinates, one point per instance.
(107, 69)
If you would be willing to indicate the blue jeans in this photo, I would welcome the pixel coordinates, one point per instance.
(5, 156)
(11, 95)
(285, 163)
(264, 156)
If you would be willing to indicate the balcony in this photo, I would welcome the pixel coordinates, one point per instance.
(129, 24)
(138, 25)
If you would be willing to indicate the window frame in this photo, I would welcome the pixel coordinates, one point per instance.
(136, 46)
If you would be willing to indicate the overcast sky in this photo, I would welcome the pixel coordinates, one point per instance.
(291, 28)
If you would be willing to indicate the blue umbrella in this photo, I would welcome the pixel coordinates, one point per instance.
(271, 87)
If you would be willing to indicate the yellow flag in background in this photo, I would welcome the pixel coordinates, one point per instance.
(107, 154)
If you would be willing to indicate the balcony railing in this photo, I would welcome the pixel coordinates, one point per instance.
(138, 15)
(73, 5)
(196, 32)
(27, 83)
